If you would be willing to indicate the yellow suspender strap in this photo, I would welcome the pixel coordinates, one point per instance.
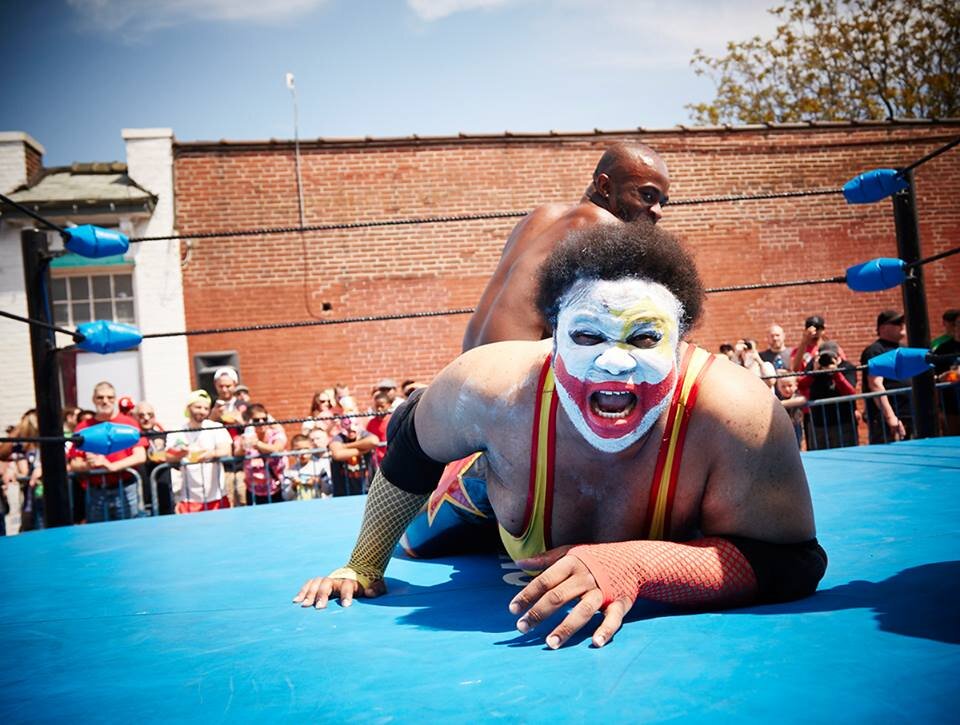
(663, 489)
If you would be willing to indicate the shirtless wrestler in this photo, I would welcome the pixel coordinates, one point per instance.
(585, 436)
(630, 182)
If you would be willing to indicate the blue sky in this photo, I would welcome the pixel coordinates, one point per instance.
(77, 71)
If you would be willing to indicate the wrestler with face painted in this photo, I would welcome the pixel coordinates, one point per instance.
(620, 462)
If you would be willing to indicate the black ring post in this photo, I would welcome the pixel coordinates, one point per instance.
(46, 379)
(924, 402)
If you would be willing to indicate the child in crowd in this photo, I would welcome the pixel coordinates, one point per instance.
(794, 403)
(306, 477)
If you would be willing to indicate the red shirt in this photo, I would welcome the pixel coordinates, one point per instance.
(378, 427)
(120, 419)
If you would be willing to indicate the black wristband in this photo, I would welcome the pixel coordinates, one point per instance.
(784, 571)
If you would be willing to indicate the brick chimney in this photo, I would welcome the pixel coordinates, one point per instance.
(21, 158)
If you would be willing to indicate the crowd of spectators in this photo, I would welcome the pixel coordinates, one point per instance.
(822, 424)
(229, 451)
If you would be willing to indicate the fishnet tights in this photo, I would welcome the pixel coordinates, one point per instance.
(388, 512)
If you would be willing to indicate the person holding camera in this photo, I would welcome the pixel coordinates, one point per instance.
(832, 425)
(747, 356)
(809, 347)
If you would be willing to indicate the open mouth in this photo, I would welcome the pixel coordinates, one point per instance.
(611, 408)
(612, 404)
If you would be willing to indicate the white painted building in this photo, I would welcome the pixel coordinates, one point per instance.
(143, 287)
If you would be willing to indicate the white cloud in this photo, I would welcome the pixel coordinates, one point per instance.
(140, 16)
(430, 10)
(646, 34)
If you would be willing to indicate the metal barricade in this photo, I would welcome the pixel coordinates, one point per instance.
(106, 500)
(200, 490)
(833, 422)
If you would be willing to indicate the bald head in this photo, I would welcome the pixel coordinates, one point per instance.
(630, 181)
(621, 156)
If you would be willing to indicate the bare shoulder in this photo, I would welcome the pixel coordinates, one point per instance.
(736, 405)
(471, 395)
(587, 214)
(756, 485)
(550, 222)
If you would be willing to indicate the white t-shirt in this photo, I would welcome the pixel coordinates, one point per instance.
(201, 481)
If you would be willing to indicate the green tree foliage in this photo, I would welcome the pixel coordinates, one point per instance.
(839, 60)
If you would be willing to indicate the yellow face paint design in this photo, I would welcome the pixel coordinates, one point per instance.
(647, 314)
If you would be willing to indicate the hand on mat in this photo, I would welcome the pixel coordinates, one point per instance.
(566, 578)
(316, 592)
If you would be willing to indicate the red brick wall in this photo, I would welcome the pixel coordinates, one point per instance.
(275, 278)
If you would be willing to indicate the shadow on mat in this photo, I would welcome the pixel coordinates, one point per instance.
(470, 601)
(916, 602)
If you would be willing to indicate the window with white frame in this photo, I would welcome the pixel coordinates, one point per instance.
(106, 295)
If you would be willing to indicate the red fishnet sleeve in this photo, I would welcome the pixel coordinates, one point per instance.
(709, 571)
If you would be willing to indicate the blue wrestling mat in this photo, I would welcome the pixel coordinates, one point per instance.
(189, 618)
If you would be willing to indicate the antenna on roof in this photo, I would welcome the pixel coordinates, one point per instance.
(296, 144)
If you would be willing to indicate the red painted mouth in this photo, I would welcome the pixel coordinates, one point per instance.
(612, 409)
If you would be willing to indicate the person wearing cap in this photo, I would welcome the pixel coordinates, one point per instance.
(126, 405)
(242, 393)
(197, 450)
(112, 493)
(229, 410)
(388, 387)
(809, 347)
(888, 416)
(949, 327)
(225, 382)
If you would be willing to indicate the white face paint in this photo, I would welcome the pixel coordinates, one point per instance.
(616, 357)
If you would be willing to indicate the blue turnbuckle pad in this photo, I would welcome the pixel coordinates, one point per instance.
(873, 186)
(95, 242)
(107, 438)
(900, 364)
(104, 337)
(877, 274)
